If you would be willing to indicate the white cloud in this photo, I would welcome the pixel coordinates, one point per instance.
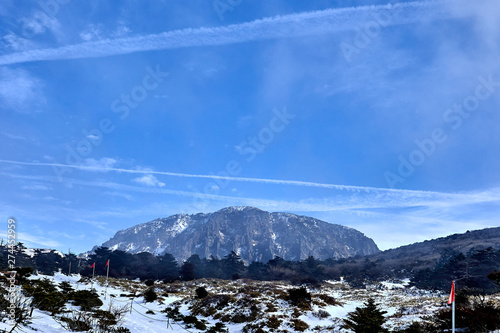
(20, 91)
(120, 31)
(93, 137)
(37, 187)
(91, 32)
(39, 23)
(32, 240)
(17, 43)
(14, 136)
(118, 194)
(149, 180)
(102, 164)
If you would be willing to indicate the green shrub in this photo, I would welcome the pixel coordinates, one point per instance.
(45, 295)
(173, 313)
(321, 314)
(150, 295)
(198, 324)
(299, 325)
(328, 299)
(271, 307)
(76, 325)
(218, 328)
(66, 287)
(85, 299)
(201, 292)
(299, 297)
(105, 318)
(273, 322)
(120, 330)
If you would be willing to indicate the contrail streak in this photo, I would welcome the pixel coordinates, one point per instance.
(237, 179)
(286, 26)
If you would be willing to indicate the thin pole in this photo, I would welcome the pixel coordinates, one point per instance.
(453, 318)
(69, 270)
(454, 287)
(107, 274)
(93, 271)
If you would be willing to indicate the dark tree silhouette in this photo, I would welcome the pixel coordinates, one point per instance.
(368, 319)
(168, 270)
(187, 271)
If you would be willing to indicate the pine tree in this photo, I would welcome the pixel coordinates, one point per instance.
(233, 266)
(198, 266)
(168, 270)
(187, 271)
(368, 319)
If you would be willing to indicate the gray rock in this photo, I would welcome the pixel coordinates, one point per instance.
(254, 234)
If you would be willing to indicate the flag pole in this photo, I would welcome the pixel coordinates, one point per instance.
(453, 318)
(93, 271)
(451, 301)
(107, 272)
(107, 275)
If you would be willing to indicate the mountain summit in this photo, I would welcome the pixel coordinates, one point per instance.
(254, 234)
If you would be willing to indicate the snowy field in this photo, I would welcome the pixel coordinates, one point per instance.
(403, 304)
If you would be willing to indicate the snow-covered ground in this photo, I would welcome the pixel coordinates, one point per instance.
(137, 321)
(403, 304)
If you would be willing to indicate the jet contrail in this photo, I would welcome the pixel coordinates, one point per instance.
(232, 178)
(391, 200)
(293, 25)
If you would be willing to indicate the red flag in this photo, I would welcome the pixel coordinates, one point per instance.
(107, 263)
(452, 294)
(92, 265)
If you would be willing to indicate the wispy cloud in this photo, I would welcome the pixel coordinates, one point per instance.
(33, 240)
(301, 24)
(102, 164)
(237, 179)
(148, 180)
(14, 136)
(336, 202)
(20, 91)
(37, 187)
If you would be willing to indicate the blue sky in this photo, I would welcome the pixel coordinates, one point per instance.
(382, 117)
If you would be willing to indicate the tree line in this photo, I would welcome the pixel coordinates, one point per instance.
(471, 270)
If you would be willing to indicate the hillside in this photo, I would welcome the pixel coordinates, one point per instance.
(230, 306)
(428, 253)
(467, 258)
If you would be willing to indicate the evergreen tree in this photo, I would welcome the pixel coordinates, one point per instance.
(213, 268)
(233, 266)
(258, 271)
(368, 319)
(187, 271)
(199, 269)
(168, 270)
(145, 265)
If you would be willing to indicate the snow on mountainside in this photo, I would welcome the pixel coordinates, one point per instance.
(255, 234)
(234, 300)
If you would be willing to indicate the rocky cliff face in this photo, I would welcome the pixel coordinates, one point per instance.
(254, 234)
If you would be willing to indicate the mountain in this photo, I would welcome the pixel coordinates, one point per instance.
(428, 253)
(468, 258)
(254, 234)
